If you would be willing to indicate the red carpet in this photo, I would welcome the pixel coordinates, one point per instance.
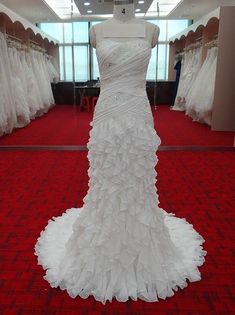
(65, 125)
(38, 185)
(175, 128)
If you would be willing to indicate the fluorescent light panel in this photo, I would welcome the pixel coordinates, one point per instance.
(165, 7)
(63, 8)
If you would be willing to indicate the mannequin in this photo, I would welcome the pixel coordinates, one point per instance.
(124, 25)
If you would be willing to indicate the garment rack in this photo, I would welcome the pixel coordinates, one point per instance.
(34, 45)
(193, 46)
(33, 42)
(199, 39)
(8, 36)
(213, 43)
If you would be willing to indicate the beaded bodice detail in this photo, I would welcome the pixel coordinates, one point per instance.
(123, 67)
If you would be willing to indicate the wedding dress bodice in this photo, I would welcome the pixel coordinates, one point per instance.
(123, 67)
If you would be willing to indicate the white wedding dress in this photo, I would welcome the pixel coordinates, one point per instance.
(201, 96)
(120, 244)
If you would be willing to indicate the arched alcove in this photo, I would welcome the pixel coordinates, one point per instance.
(13, 24)
(219, 24)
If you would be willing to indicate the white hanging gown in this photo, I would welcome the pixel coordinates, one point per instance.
(120, 243)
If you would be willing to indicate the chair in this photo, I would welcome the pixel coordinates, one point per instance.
(93, 102)
(85, 104)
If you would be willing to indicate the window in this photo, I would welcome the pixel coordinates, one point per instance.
(53, 29)
(68, 63)
(158, 54)
(175, 27)
(81, 63)
(68, 36)
(62, 65)
(168, 28)
(73, 49)
(162, 24)
(95, 71)
(78, 60)
(81, 34)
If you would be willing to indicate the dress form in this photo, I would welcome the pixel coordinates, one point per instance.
(124, 25)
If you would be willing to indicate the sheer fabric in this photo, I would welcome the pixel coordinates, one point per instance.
(8, 113)
(196, 86)
(190, 69)
(120, 243)
(25, 78)
(200, 98)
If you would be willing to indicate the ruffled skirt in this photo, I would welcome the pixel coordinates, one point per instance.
(120, 244)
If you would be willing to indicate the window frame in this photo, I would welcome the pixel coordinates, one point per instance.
(90, 54)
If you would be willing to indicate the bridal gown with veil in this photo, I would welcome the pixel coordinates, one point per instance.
(120, 244)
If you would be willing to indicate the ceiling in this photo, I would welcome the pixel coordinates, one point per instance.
(195, 9)
(100, 7)
(37, 11)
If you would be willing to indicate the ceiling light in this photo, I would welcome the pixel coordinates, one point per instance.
(141, 2)
(137, 10)
(63, 8)
(86, 3)
(89, 11)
